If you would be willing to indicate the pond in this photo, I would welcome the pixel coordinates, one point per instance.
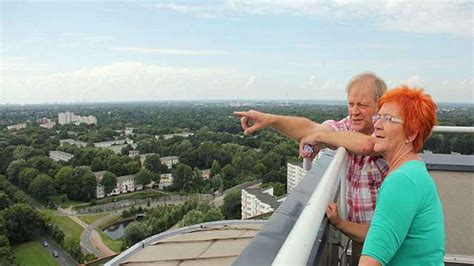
(117, 230)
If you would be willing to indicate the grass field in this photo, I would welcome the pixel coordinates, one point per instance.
(114, 245)
(69, 227)
(67, 203)
(32, 253)
(88, 219)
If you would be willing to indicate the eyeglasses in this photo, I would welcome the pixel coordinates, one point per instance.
(386, 118)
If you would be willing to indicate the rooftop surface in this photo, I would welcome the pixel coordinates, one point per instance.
(216, 243)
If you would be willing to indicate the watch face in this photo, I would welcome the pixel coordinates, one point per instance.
(307, 148)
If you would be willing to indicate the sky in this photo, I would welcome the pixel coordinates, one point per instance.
(105, 51)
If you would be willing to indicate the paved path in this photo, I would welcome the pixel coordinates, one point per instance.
(90, 238)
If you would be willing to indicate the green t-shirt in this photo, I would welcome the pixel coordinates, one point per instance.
(408, 224)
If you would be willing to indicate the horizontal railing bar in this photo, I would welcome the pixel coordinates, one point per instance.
(449, 129)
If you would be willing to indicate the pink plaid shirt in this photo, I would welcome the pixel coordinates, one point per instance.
(363, 179)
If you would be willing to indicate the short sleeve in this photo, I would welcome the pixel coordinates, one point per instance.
(341, 125)
(395, 209)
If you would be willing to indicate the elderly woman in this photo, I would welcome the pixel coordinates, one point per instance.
(408, 224)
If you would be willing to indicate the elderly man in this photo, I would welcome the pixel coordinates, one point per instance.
(365, 173)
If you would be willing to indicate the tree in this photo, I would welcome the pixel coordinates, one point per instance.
(42, 187)
(134, 233)
(26, 152)
(215, 168)
(5, 201)
(182, 175)
(192, 217)
(73, 247)
(144, 177)
(64, 180)
(26, 176)
(153, 163)
(14, 169)
(232, 205)
(217, 182)
(132, 167)
(109, 182)
(278, 188)
(88, 183)
(97, 164)
(42, 163)
(21, 221)
(7, 256)
(214, 214)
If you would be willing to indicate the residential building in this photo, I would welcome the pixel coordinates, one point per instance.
(165, 180)
(77, 143)
(294, 174)
(206, 173)
(46, 123)
(70, 117)
(118, 148)
(125, 184)
(17, 126)
(60, 156)
(108, 143)
(169, 161)
(169, 136)
(256, 201)
(133, 153)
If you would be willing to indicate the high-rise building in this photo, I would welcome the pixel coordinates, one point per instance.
(294, 174)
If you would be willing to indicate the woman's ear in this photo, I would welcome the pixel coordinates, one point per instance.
(412, 137)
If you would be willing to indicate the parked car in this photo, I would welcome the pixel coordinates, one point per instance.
(55, 254)
(45, 243)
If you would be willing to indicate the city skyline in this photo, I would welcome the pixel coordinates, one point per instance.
(230, 50)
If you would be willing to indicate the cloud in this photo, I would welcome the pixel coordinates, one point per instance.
(123, 81)
(250, 82)
(443, 91)
(163, 51)
(421, 16)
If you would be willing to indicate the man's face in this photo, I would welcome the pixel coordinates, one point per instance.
(362, 106)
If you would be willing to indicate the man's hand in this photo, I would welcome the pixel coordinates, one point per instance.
(253, 121)
(313, 142)
(333, 214)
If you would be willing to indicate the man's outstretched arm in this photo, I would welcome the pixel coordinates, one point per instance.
(291, 126)
(355, 142)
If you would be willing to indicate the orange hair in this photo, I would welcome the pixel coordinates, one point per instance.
(418, 110)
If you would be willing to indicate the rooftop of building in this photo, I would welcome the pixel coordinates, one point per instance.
(215, 243)
(263, 197)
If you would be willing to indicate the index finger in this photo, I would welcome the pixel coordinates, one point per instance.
(240, 113)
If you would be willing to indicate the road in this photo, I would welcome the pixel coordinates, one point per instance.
(64, 258)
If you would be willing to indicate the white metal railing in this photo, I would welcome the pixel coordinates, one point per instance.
(297, 247)
(446, 129)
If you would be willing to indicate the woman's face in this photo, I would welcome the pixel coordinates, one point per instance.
(389, 133)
